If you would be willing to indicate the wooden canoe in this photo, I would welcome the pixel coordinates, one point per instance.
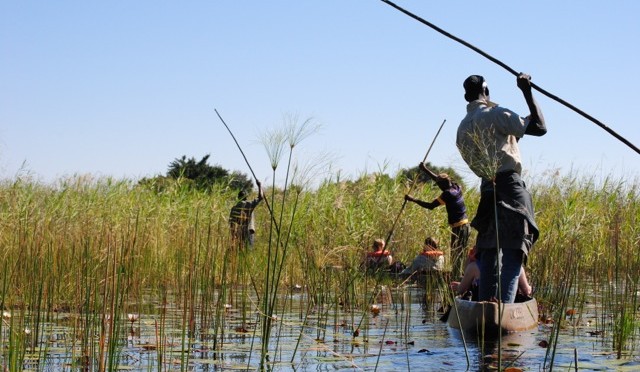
(482, 317)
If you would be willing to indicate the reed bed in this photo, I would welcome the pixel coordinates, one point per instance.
(99, 253)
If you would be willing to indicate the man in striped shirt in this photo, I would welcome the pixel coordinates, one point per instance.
(241, 220)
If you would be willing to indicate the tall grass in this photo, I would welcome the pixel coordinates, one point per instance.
(92, 250)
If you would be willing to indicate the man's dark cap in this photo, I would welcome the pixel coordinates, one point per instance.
(473, 85)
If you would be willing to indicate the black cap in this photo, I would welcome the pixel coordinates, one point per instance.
(473, 85)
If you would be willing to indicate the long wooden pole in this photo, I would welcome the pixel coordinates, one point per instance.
(413, 183)
(514, 72)
(266, 202)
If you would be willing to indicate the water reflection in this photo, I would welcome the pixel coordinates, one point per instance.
(405, 332)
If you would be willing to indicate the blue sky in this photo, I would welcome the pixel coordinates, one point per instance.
(121, 88)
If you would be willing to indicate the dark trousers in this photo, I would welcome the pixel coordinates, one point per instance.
(459, 241)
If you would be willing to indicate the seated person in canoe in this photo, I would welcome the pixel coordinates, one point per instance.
(468, 286)
(378, 258)
(430, 259)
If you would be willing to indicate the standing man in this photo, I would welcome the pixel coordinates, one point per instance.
(487, 139)
(451, 197)
(241, 220)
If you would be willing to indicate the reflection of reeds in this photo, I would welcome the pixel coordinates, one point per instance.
(564, 283)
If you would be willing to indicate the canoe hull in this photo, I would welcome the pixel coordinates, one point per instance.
(483, 317)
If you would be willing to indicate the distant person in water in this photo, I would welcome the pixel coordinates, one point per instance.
(378, 257)
(430, 259)
(241, 219)
(453, 200)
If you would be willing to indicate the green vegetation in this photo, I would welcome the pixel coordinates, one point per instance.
(414, 173)
(199, 175)
(102, 249)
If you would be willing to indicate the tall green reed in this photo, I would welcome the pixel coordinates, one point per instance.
(274, 143)
(102, 246)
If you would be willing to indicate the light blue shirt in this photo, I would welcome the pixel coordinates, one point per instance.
(488, 137)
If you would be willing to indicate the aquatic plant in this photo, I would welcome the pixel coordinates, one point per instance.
(85, 252)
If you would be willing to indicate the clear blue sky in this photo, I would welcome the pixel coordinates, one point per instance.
(121, 88)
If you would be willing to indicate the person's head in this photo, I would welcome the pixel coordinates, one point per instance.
(430, 244)
(242, 194)
(475, 87)
(444, 181)
(378, 244)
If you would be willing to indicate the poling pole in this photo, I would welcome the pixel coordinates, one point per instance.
(266, 202)
(512, 71)
(404, 203)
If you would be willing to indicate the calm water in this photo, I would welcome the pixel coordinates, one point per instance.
(404, 336)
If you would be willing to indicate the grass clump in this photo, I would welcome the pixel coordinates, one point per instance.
(95, 250)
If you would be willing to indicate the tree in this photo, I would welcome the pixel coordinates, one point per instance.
(421, 177)
(205, 176)
(201, 175)
(239, 181)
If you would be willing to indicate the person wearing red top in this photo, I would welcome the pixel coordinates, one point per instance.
(430, 259)
(378, 257)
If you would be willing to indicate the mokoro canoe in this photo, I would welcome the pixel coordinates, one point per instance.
(482, 317)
